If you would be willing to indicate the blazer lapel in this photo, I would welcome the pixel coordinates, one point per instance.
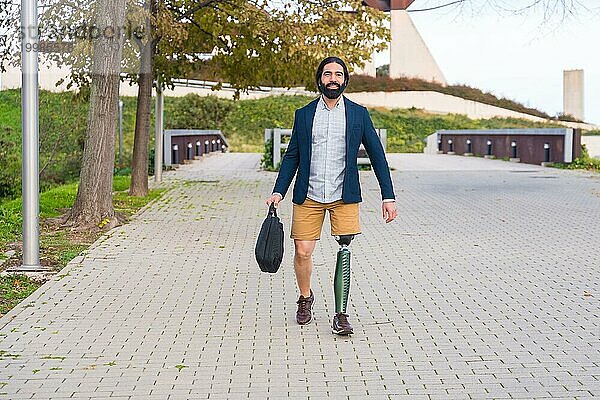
(309, 117)
(349, 124)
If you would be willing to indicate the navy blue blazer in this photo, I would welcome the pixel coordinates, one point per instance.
(359, 129)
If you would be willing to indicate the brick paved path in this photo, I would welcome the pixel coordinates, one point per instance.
(487, 286)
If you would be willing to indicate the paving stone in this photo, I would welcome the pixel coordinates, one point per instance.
(476, 291)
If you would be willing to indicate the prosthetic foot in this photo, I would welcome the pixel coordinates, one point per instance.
(341, 287)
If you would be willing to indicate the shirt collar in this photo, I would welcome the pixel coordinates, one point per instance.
(322, 105)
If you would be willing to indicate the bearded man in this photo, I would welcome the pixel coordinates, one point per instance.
(322, 155)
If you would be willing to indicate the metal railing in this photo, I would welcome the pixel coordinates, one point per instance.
(186, 144)
(531, 146)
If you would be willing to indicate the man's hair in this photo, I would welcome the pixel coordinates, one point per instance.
(329, 60)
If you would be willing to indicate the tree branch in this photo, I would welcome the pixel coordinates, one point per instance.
(437, 7)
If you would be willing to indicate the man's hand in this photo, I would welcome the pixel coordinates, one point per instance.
(388, 209)
(275, 198)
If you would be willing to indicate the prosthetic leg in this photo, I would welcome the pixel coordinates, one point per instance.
(341, 286)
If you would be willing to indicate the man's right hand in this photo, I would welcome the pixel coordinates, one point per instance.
(275, 198)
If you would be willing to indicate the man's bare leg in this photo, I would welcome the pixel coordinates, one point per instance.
(303, 264)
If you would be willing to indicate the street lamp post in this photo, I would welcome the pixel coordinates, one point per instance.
(158, 133)
(30, 125)
(120, 133)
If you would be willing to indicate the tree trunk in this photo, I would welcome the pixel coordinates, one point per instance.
(139, 162)
(93, 205)
(141, 141)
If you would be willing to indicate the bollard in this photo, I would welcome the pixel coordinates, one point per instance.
(175, 154)
(205, 146)
(189, 151)
(546, 161)
(198, 148)
(223, 148)
(440, 150)
(450, 147)
(489, 150)
(469, 148)
(212, 145)
(513, 153)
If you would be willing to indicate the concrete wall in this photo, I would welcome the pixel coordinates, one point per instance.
(592, 144)
(573, 97)
(47, 78)
(444, 104)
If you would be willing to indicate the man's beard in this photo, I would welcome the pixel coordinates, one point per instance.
(332, 92)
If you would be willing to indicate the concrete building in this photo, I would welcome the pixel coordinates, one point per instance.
(409, 54)
(368, 69)
(573, 93)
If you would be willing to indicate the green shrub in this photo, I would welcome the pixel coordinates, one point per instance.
(267, 159)
(582, 162)
(196, 112)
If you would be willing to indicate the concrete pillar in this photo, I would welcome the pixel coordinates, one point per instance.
(409, 55)
(573, 101)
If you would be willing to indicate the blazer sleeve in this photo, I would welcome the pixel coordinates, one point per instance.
(377, 156)
(289, 163)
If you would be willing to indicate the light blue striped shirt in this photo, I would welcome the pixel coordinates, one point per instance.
(328, 160)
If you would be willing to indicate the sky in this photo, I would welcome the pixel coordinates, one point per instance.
(520, 57)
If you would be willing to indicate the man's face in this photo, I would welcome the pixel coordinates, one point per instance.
(332, 80)
(332, 76)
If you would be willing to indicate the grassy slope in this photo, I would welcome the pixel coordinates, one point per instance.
(407, 129)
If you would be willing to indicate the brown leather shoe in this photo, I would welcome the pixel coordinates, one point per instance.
(340, 325)
(304, 313)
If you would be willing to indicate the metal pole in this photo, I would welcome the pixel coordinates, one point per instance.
(158, 133)
(276, 147)
(120, 133)
(29, 119)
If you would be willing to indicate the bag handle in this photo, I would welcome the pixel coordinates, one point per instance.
(272, 210)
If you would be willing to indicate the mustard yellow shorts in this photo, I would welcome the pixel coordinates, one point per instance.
(307, 219)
